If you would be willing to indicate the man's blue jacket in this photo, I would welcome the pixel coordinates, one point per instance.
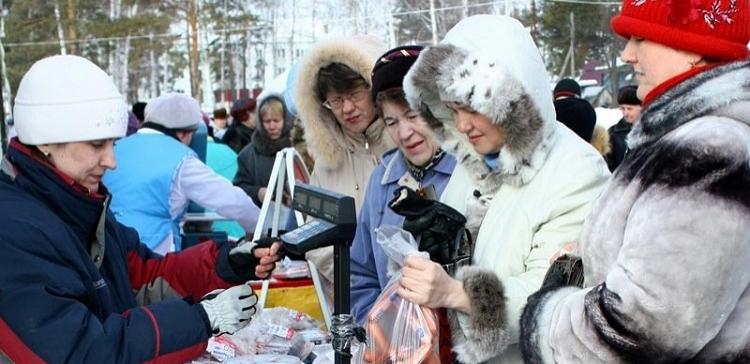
(72, 278)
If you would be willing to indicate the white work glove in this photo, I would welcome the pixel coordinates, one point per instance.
(230, 309)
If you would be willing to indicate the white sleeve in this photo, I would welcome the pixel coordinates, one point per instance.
(199, 183)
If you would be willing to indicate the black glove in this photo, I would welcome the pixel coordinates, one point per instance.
(440, 228)
(242, 258)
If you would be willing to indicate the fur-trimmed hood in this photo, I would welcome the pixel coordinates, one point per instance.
(261, 142)
(701, 95)
(491, 64)
(325, 138)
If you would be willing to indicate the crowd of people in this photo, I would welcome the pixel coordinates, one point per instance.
(517, 174)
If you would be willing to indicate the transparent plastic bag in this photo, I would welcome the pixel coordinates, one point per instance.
(286, 317)
(273, 331)
(282, 340)
(399, 331)
(262, 359)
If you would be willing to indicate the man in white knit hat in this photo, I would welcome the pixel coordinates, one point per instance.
(158, 175)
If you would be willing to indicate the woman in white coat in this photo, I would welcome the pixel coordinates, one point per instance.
(525, 182)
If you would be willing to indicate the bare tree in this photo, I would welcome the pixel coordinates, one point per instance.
(192, 23)
(70, 15)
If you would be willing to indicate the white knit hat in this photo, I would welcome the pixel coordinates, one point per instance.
(174, 111)
(68, 99)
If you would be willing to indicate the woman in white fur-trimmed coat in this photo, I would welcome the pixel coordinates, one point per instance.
(525, 182)
(667, 247)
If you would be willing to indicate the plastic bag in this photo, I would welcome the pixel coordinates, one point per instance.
(262, 359)
(291, 269)
(286, 317)
(399, 331)
(324, 354)
(273, 331)
(282, 340)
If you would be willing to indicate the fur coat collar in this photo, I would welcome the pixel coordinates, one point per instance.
(511, 88)
(707, 93)
(325, 138)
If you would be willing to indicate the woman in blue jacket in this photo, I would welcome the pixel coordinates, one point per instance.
(75, 285)
(417, 162)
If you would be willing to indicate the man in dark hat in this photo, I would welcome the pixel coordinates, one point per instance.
(219, 123)
(567, 87)
(573, 111)
(630, 106)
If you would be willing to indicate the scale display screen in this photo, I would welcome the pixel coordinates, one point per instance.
(330, 208)
(321, 203)
(335, 219)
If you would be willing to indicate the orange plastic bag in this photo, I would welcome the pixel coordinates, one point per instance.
(399, 331)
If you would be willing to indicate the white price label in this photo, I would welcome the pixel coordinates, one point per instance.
(221, 349)
(280, 331)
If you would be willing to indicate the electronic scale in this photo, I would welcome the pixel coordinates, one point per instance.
(334, 223)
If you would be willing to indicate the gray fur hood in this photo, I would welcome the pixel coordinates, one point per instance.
(491, 64)
(324, 136)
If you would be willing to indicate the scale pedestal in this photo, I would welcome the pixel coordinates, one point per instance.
(335, 224)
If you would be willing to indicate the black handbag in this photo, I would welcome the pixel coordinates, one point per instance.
(567, 270)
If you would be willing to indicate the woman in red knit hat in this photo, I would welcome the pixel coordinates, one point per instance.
(667, 246)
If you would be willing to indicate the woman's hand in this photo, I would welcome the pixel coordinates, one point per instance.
(259, 256)
(267, 260)
(425, 283)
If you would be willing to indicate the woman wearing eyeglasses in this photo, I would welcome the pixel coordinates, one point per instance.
(524, 181)
(342, 129)
(417, 162)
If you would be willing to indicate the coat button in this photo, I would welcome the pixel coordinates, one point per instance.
(97, 258)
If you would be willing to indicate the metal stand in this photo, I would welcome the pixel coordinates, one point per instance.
(341, 329)
(283, 170)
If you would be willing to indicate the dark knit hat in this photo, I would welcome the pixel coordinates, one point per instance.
(392, 66)
(627, 96)
(718, 29)
(241, 106)
(220, 113)
(567, 87)
(139, 108)
(578, 115)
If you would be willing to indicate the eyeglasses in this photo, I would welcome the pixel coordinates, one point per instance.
(337, 103)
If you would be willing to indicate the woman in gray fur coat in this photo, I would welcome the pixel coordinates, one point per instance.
(667, 247)
(524, 181)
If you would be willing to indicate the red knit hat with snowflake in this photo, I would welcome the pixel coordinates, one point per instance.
(718, 29)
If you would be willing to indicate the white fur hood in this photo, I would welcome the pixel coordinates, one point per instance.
(324, 136)
(490, 63)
